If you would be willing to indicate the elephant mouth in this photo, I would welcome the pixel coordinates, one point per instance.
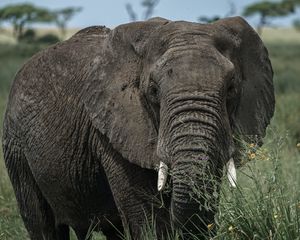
(188, 209)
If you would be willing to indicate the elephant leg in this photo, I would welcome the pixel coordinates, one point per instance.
(82, 234)
(116, 232)
(113, 236)
(34, 209)
(134, 192)
(63, 232)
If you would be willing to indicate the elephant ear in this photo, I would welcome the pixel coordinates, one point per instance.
(112, 96)
(256, 99)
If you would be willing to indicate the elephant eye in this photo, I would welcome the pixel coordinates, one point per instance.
(231, 90)
(231, 95)
(153, 102)
(153, 92)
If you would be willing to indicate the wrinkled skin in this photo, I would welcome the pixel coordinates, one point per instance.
(89, 120)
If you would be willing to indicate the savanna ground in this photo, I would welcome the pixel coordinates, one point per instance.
(266, 203)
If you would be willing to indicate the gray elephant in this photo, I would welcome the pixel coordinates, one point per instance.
(113, 128)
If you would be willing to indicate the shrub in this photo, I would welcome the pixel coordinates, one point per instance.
(48, 39)
(28, 36)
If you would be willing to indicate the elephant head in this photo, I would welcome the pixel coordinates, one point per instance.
(175, 93)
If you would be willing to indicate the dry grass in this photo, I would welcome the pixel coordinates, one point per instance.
(281, 35)
(6, 36)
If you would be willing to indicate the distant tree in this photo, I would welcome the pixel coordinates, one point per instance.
(21, 15)
(206, 19)
(296, 24)
(232, 8)
(148, 5)
(63, 16)
(131, 12)
(231, 12)
(267, 10)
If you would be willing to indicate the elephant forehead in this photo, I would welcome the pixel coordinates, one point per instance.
(202, 79)
(180, 33)
(186, 47)
(182, 28)
(194, 68)
(200, 61)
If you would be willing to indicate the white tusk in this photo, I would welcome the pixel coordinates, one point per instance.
(162, 176)
(231, 172)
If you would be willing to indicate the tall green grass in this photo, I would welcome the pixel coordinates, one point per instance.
(266, 203)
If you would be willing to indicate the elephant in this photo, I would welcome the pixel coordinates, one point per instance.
(116, 127)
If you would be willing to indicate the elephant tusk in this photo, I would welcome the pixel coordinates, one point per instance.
(231, 172)
(162, 176)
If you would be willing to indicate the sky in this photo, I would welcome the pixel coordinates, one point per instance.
(112, 12)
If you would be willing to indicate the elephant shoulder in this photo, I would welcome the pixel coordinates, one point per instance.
(56, 74)
(61, 65)
(76, 51)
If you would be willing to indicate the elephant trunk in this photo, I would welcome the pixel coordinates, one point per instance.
(192, 198)
(196, 137)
